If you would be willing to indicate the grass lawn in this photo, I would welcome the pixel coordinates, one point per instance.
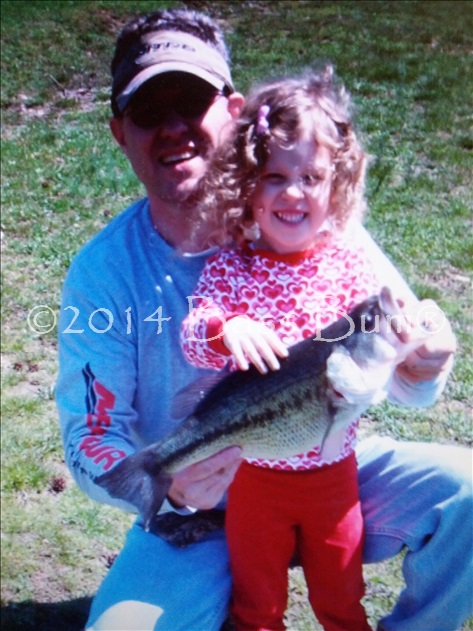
(409, 67)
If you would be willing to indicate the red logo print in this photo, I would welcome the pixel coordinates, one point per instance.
(99, 403)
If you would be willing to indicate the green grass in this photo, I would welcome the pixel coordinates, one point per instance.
(409, 67)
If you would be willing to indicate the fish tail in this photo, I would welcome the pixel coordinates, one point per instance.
(137, 482)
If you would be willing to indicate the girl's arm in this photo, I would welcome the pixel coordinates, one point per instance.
(214, 302)
(218, 330)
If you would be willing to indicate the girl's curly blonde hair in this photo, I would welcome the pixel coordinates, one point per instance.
(311, 106)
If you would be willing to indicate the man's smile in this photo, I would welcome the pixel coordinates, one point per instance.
(176, 156)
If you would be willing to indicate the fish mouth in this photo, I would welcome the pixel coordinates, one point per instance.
(290, 217)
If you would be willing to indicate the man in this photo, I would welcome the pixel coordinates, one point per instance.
(124, 299)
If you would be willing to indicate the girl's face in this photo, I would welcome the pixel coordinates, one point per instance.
(291, 200)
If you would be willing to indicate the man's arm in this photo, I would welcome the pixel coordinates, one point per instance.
(95, 396)
(96, 384)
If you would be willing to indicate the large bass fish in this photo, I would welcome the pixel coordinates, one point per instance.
(324, 385)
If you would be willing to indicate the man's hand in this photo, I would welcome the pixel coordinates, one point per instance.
(430, 359)
(253, 342)
(203, 484)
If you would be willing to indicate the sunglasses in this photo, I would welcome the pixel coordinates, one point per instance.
(152, 110)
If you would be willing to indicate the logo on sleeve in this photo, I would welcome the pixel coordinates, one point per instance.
(100, 402)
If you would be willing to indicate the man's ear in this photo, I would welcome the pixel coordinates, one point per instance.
(116, 127)
(235, 103)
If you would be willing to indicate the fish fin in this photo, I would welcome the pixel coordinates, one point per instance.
(135, 482)
(187, 399)
(325, 436)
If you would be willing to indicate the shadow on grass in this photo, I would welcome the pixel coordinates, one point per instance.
(69, 615)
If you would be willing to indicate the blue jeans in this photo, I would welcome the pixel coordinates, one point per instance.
(419, 496)
(415, 496)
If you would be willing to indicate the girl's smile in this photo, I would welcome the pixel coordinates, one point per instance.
(290, 217)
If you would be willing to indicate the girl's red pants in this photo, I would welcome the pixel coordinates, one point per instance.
(270, 515)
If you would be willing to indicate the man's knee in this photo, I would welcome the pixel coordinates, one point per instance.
(126, 615)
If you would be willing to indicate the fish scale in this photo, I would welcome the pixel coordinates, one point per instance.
(270, 431)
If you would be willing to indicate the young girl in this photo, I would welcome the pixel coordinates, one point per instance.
(286, 192)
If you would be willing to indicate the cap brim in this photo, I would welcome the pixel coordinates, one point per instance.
(157, 69)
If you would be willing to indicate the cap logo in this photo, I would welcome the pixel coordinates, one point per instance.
(148, 48)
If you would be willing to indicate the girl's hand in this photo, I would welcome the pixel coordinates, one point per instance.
(253, 342)
(431, 358)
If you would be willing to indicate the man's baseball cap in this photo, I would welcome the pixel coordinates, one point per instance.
(159, 52)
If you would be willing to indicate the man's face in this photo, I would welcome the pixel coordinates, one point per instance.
(170, 132)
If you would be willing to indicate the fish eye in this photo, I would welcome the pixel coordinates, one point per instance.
(369, 320)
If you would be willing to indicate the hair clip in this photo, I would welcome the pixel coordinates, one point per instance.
(263, 125)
